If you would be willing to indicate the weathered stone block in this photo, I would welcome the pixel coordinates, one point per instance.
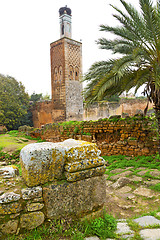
(84, 164)
(31, 207)
(10, 227)
(41, 162)
(9, 197)
(31, 220)
(80, 150)
(10, 208)
(30, 193)
(44, 162)
(75, 199)
(9, 171)
(76, 176)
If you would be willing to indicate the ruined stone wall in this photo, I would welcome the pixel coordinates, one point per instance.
(45, 112)
(102, 110)
(59, 180)
(133, 106)
(130, 136)
(124, 107)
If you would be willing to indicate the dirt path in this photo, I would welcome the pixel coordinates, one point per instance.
(131, 195)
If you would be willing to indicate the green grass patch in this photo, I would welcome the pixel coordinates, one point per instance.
(121, 161)
(156, 187)
(15, 140)
(103, 227)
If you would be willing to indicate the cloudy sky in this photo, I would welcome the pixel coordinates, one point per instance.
(28, 27)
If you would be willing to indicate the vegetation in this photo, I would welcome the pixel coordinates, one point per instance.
(35, 97)
(14, 102)
(14, 141)
(137, 44)
(102, 227)
(114, 98)
(121, 161)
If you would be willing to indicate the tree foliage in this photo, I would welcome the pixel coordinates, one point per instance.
(35, 97)
(137, 43)
(14, 102)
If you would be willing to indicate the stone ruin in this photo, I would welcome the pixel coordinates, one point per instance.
(59, 180)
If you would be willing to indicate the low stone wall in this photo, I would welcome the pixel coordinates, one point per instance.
(59, 180)
(127, 136)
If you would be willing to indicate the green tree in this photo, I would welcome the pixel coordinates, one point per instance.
(137, 43)
(14, 102)
(35, 97)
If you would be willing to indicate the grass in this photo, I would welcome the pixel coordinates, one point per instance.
(103, 227)
(156, 187)
(121, 161)
(7, 141)
(15, 140)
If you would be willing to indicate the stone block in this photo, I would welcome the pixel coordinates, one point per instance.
(75, 199)
(31, 220)
(10, 208)
(147, 221)
(9, 227)
(150, 234)
(9, 197)
(31, 207)
(9, 171)
(30, 193)
(76, 176)
(44, 162)
(41, 162)
(79, 150)
(84, 164)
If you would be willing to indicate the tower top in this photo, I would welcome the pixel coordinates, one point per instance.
(65, 10)
(65, 22)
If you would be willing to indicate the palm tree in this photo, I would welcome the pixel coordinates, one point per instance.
(137, 44)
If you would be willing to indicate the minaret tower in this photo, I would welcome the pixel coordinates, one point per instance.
(66, 72)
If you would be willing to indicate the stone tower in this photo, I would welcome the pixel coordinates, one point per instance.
(66, 71)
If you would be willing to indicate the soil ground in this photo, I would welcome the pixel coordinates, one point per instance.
(131, 195)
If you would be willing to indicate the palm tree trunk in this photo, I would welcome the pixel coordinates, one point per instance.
(157, 113)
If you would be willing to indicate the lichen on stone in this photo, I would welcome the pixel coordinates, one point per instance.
(88, 173)
(44, 162)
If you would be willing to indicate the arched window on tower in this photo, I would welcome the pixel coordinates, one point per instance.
(76, 73)
(55, 74)
(70, 72)
(62, 28)
(60, 74)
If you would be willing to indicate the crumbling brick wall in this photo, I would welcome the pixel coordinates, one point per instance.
(130, 136)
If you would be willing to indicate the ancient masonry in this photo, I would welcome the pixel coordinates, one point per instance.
(59, 180)
(66, 72)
